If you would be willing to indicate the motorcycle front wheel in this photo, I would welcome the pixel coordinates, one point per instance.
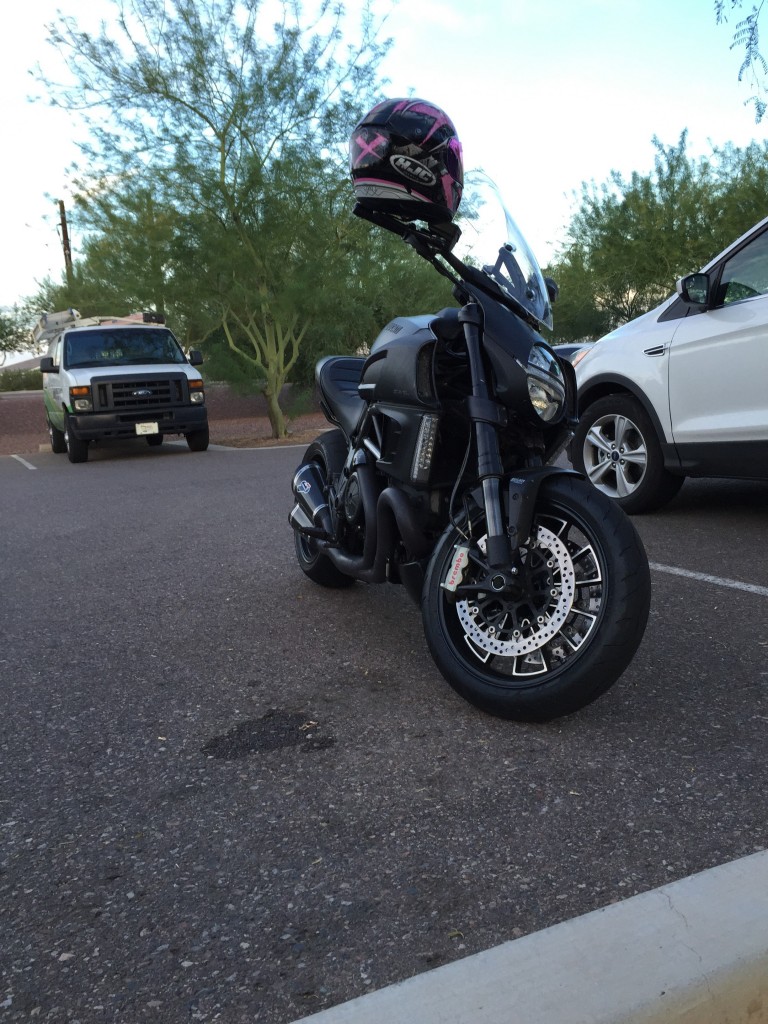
(560, 640)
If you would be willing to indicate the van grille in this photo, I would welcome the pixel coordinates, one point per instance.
(132, 394)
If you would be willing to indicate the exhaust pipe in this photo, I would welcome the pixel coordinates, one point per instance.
(390, 520)
(389, 517)
(308, 488)
(302, 524)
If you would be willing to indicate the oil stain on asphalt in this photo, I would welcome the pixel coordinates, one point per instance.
(273, 731)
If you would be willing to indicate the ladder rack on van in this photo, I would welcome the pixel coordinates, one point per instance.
(51, 324)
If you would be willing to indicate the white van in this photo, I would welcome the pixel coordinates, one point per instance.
(118, 377)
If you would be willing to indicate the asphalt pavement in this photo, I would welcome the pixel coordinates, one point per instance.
(229, 795)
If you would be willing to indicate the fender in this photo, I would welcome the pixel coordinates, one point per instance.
(521, 492)
(603, 385)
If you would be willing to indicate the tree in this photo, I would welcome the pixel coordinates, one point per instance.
(630, 239)
(578, 314)
(234, 127)
(747, 36)
(14, 332)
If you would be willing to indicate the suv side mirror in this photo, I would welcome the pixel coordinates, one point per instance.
(47, 365)
(694, 290)
(195, 357)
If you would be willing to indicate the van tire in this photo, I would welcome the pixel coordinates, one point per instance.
(77, 449)
(198, 439)
(58, 440)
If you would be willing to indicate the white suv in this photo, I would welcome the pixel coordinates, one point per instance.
(683, 390)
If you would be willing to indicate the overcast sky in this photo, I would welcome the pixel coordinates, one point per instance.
(545, 94)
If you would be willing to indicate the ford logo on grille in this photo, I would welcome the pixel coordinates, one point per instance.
(142, 393)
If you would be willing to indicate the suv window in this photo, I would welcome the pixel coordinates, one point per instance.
(745, 274)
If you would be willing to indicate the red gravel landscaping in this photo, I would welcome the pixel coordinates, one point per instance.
(236, 420)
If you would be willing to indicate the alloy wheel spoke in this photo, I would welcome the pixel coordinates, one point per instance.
(624, 486)
(598, 440)
(599, 470)
(623, 427)
(637, 456)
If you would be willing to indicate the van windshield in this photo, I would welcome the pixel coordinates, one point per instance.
(123, 346)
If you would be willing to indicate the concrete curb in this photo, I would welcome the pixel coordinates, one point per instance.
(693, 952)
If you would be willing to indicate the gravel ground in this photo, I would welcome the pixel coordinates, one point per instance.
(236, 421)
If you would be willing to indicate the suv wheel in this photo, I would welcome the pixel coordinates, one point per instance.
(77, 450)
(617, 449)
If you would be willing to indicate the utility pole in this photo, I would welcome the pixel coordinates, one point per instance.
(65, 245)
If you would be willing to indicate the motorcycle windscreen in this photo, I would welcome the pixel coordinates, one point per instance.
(492, 242)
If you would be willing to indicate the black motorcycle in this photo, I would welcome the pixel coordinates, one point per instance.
(534, 587)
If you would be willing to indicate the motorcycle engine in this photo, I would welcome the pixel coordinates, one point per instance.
(353, 501)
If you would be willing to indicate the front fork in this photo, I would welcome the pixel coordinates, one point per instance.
(499, 551)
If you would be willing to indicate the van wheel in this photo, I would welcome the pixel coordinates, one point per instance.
(197, 440)
(58, 441)
(77, 449)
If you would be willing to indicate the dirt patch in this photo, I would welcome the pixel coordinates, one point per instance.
(257, 433)
(235, 421)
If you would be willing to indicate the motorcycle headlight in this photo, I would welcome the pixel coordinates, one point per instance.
(546, 386)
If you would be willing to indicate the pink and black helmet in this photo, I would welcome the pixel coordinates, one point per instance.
(405, 160)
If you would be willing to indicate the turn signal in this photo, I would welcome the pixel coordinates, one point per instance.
(81, 398)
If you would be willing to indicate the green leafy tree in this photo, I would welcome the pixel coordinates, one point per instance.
(127, 253)
(746, 37)
(630, 239)
(14, 333)
(224, 116)
(578, 314)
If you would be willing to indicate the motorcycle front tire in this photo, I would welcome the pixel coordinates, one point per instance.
(538, 660)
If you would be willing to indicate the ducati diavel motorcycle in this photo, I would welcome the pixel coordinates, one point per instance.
(440, 475)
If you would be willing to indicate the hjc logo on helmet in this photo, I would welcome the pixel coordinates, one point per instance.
(412, 169)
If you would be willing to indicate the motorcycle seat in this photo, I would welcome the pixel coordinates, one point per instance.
(337, 380)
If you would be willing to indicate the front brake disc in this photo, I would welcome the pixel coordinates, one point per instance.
(513, 632)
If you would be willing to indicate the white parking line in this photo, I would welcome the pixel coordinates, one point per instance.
(719, 581)
(23, 462)
(256, 448)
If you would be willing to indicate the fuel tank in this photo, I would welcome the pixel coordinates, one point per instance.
(399, 368)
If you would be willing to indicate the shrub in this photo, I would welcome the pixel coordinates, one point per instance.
(21, 380)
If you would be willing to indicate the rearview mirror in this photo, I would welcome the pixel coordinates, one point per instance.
(195, 357)
(553, 289)
(694, 290)
(47, 365)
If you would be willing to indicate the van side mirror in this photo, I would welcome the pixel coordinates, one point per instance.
(47, 365)
(195, 357)
(694, 290)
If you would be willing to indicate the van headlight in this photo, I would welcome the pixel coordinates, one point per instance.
(546, 386)
(81, 399)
